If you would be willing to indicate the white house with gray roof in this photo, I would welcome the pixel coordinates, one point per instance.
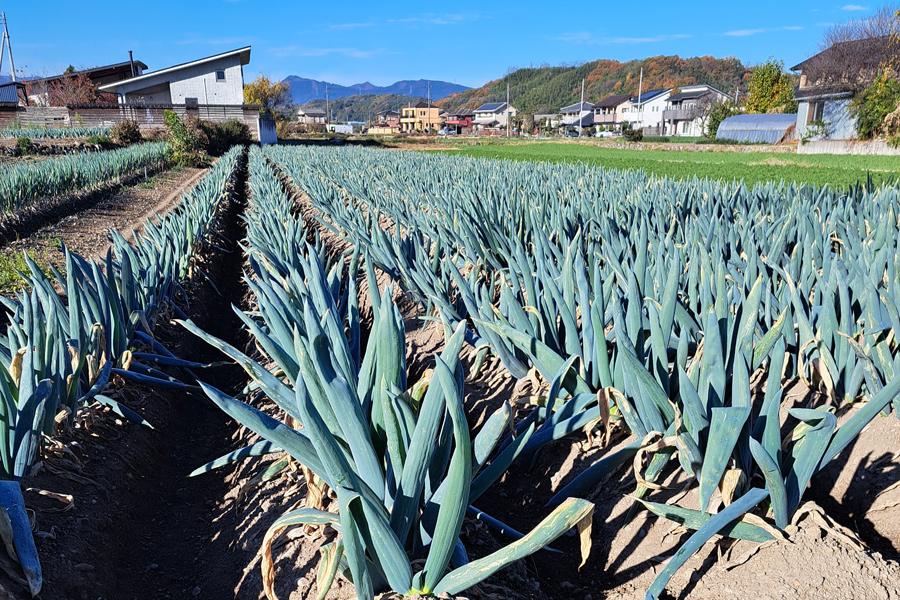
(215, 80)
(494, 115)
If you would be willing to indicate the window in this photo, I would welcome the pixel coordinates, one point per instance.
(220, 75)
(815, 112)
(191, 102)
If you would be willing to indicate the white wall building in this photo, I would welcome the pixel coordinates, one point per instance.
(215, 80)
(493, 115)
(686, 112)
(646, 110)
(582, 112)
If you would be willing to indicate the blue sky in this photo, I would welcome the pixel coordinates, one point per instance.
(466, 42)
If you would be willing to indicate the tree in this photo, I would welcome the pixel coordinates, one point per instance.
(73, 89)
(771, 89)
(882, 23)
(872, 106)
(718, 112)
(268, 95)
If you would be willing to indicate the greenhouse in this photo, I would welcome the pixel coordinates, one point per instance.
(759, 129)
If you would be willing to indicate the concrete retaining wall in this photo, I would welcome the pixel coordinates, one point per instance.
(860, 147)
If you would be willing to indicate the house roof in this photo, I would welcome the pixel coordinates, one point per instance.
(312, 112)
(243, 53)
(647, 96)
(690, 95)
(822, 91)
(613, 101)
(871, 50)
(92, 71)
(462, 112)
(491, 107)
(577, 107)
(388, 112)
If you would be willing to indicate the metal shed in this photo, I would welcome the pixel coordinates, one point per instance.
(766, 129)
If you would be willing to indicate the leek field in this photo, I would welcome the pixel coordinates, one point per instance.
(738, 336)
(757, 166)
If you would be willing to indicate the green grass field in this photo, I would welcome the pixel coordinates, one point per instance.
(752, 167)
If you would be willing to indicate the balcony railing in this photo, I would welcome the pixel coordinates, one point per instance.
(600, 119)
(681, 114)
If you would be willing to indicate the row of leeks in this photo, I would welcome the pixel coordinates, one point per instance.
(662, 298)
(400, 458)
(59, 352)
(23, 184)
(53, 133)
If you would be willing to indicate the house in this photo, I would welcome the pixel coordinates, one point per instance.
(388, 118)
(544, 120)
(645, 111)
(39, 89)
(460, 120)
(608, 113)
(581, 114)
(215, 80)
(686, 111)
(494, 115)
(422, 117)
(828, 82)
(310, 116)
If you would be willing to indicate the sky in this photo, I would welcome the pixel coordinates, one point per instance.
(463, 42)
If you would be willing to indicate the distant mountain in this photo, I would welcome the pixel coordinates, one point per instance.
(361, 108)
(304, 90)
(548, 89)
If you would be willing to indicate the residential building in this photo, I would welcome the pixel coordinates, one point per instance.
(541, 121)
(830, 79)
(645, 112)
(388, 118)
(39, 89)
(581, 113)
(460, 120)
(310, 116)
(608, 113)
(423, 117)
(13, 96)
(215, 80)
(494, 115)
(686, 111)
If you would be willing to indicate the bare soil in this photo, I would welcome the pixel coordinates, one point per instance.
(126, 209)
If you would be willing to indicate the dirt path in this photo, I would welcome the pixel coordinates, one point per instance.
(86, 232)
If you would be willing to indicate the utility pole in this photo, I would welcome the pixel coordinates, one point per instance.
(5, 44)
(507, 109)
(640, 97)
(581, 108)
(327, 112)
(428, 114)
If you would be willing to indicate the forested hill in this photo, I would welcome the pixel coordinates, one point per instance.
(548, 89)
(362, 108)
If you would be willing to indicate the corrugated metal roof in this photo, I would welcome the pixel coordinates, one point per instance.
(9, 93)
(767, 129)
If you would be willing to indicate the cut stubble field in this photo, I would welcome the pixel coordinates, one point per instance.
(751, 166)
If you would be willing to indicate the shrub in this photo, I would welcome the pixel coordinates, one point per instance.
(633, 135)
(186, 140)
(25, 145)
(220, 137)
(126, 133)
(99, 140)
(872, 106)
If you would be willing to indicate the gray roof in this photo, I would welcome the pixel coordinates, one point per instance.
(647, 96)
(768, 129)
(577, 107)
